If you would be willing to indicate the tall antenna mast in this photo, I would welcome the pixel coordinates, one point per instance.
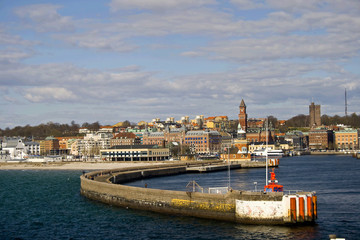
(345, 104)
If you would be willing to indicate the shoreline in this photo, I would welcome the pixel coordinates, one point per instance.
(73, 165)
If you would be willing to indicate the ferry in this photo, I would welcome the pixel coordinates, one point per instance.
(270, 152)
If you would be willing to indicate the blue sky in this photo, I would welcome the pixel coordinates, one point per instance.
(111, 61)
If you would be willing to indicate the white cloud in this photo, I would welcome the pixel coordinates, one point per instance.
(44, 18)
(248, 4)
(286, 47)
(276, 61)
(12, 55)
(192, 54)
(10, 39)
(158, 5)
(98, 40)
(42, 94)
(316, 5)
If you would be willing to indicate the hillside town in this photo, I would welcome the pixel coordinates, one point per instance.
(214, 137)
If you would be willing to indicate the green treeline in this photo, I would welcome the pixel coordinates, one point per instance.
(72, 129)
(301, 120)
(49, 129)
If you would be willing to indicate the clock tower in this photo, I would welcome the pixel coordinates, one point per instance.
(243, 115)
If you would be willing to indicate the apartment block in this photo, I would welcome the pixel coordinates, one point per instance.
(347, 139)
(320, 139)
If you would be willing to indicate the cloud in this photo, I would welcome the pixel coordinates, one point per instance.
(44, 18)
(285, 47)
(46, 94)
(12, 55)
(8, 39)
(315, 5)
(248, 4)
(157, 5)
(98, 39)
(192, 54)
(277, 59)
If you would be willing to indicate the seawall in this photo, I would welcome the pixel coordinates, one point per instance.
(236, 206)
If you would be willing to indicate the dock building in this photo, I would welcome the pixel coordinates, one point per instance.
(135, 153)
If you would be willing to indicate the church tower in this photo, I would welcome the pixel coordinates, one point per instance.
(243, 115)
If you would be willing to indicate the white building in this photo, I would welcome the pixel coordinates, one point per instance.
(91, 144)
(16, 148)
(33, 148)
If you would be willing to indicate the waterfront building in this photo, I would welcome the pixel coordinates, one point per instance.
(49, 146)
(153, 138)
(296, 139)
(135, 153)
(172, 135)
(315, 116)
(15, 147)
(33, 148)
(320, 139)
(164, 138)
(226, 140)
(238, 150)
(262, 134)
(91, 144)
(65, 142)
(203, 142)
(347, 139)
(4, 156)
(125, 138)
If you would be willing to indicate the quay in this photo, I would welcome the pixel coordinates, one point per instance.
(234, 205)
(212, 168)
(332, 153)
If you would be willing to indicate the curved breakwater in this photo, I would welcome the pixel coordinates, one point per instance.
(236, 206)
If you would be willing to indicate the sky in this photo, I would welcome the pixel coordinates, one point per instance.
(117, 60)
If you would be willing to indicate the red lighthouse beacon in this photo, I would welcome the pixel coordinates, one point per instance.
(273, 186)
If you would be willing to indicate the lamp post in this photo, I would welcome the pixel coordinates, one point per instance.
(266, 152)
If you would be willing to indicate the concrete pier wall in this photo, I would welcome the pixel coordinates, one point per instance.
(231, 206)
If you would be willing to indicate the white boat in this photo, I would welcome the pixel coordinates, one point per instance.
(270, 152)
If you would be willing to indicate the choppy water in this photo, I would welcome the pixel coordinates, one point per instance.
(47, 205)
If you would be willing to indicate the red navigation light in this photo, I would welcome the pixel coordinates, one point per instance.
(273, 186)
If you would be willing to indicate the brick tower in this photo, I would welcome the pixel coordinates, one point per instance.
(243, 115)
(315, 116)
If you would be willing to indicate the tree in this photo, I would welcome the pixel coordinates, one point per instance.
(300, 120)
(126, 123)
(273, 121)
(94, 126)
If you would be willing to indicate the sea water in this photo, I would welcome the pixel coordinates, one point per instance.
(42, 204)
